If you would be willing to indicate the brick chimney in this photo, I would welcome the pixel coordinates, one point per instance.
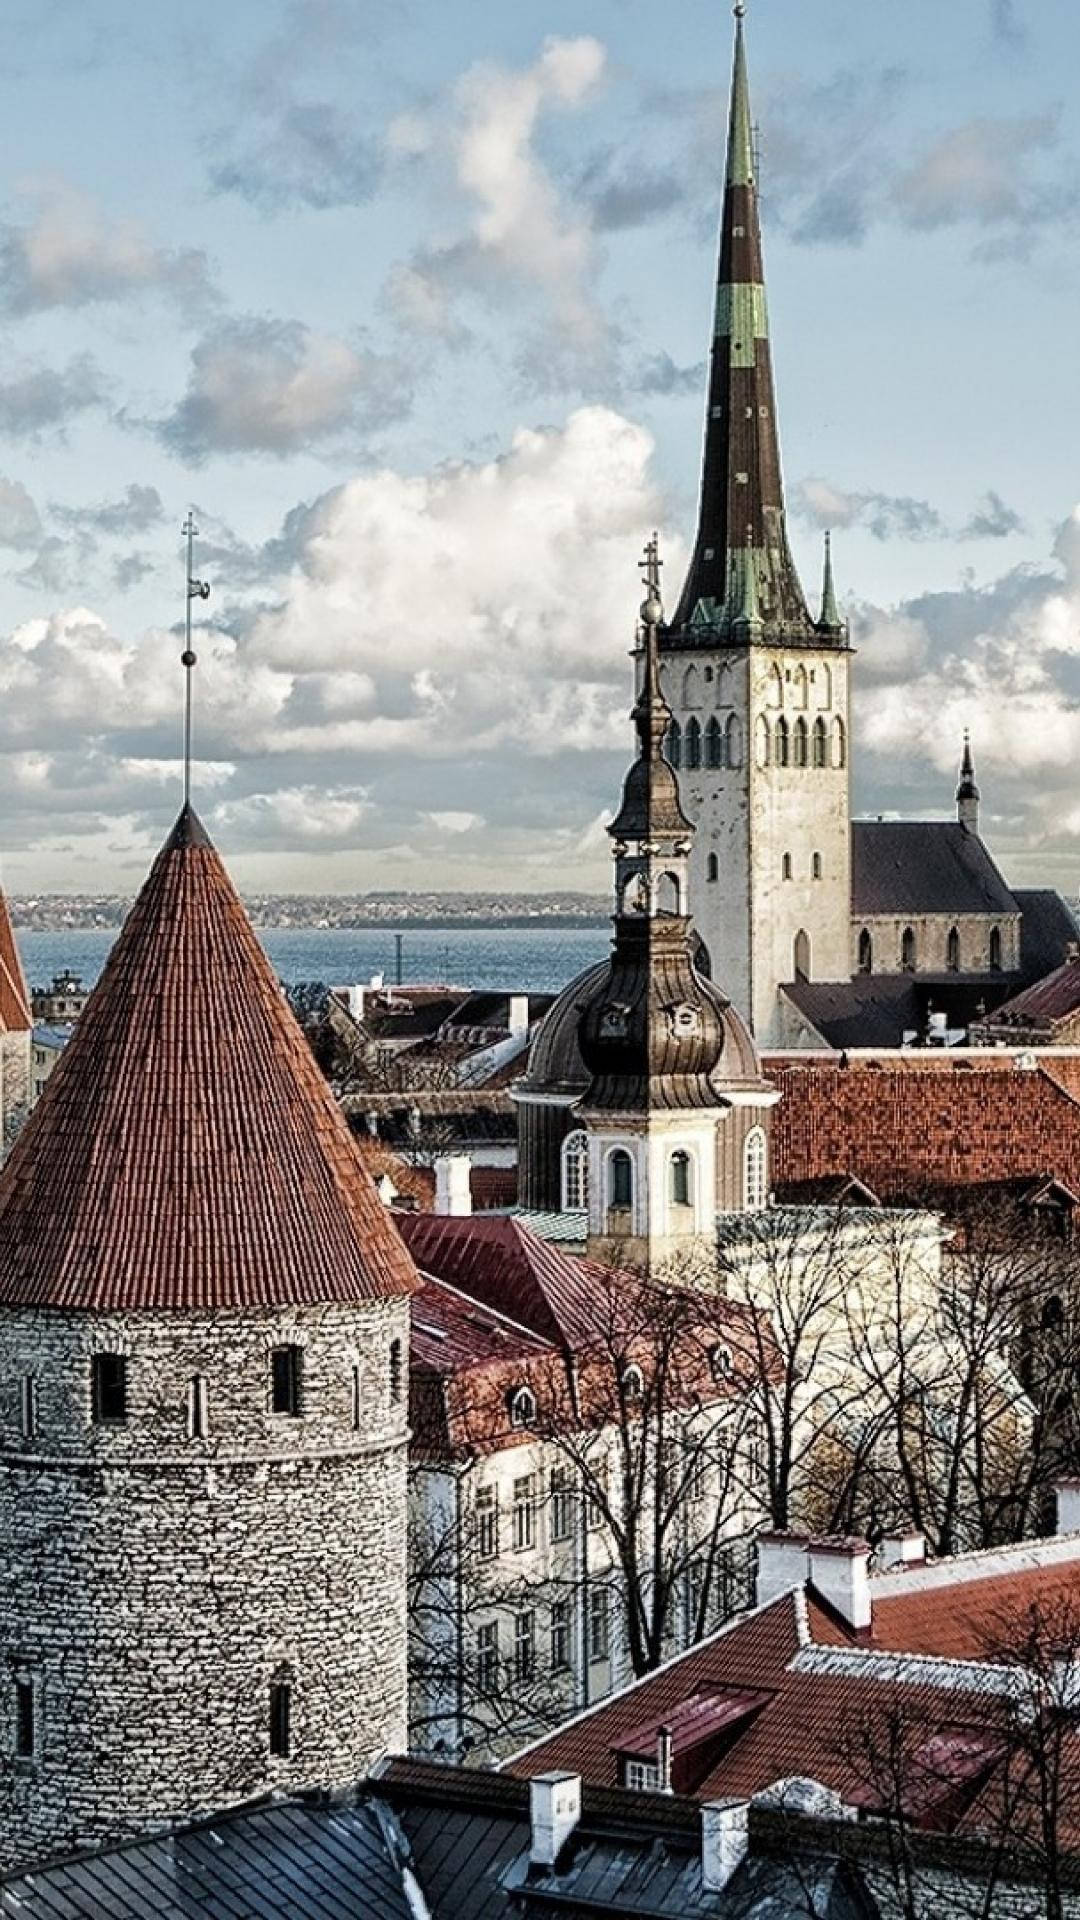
(840, 1573)
(554, 1813)
(781, 1564)
(453, 1188)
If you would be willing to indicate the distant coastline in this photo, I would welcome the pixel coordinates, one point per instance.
(64, 913)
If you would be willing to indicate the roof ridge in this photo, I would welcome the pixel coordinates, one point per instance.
(460, 1293)
(983, 1563)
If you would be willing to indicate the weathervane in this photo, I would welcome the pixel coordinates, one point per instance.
(196, 590)
(652, 610)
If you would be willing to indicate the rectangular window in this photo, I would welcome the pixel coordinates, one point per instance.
(487, 1523)
(29, 1406)
(25, 1729)
(285, 1372)
(197, 1424)
(487, 1658)
(694, 1447)
(524, 1505)
(562, 1504)
(395, 1372)
(641, 1776)
(109, 1380)
(599, 1628)
(598, 1493)
(524, 1645)
(357, 1401)
(561, 1623)
(280, 1706)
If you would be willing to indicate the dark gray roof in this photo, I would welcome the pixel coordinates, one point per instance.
(1047, 929)
(877, 1009)
(923, 866)
(289, 1862)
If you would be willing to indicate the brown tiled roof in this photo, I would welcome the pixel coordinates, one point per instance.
(1048, 1001)
(186, 1151)
(15, 1014)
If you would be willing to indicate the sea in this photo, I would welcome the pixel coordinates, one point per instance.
(512, 959)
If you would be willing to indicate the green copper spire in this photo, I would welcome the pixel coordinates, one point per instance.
(830, 621)
(740, 153)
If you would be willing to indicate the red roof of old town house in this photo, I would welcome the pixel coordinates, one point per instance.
(186, 1151)
(15, 1014)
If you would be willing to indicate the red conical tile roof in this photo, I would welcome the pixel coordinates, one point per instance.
(15, 1014)
(186, 1152)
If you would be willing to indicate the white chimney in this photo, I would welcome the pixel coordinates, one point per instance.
(725, 1842)
(453, 1188)
(519, 1015)
(781, 1564)
(554, 1812)
(898, 1550)
(1068, 1506)
(840, 1573)
(665, 1748)
(355, 999)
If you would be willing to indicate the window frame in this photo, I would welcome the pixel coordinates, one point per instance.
(561, 1630)
(525, 1646)
(486, 1521)
(574, 1169)
(755, 1171)
(599, 1623)
(280, 1717)
(104, 1395)
(486, 1655)
(523, 1507)
(287, 1381)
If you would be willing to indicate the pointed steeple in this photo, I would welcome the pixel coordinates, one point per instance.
(741, 530)
(15, 1014)
(830, 621)
(651, 807)
(186, 1152)
(967, 793)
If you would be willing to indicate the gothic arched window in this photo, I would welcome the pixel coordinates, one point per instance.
(839, 743)
(824, 688)
(866, 952)
(798, 687)
(714, 743)
(712, 868)
(620, 1180)
(802, 955)
(575, 1171)
(692, 743)
(673, 745)
(733, 741)
(691, 693)
(821, 744)
(723, 684)
(799, 743)
(952, 950)
(681, 1182)
(764, 744)
(755, 1170)
(907, 950)
(783, 744)
(668, 896)
(995, 949)
(775, 688)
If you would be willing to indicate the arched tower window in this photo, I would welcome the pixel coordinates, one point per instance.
(995, 949)
(782, 743)
(798, 687)
(785, 867)
(824, 688)
(952, 950)
(733, 741)
(764, 744)
(691, 691)
(799, 742)
(673, 745)
(866, 952)
(712, 868)
(714, 743)
(774, 692)
(802, 954)
(815, 866)
(620, 1181)
(821, 744)
(755, 1170)
(907, 950)
(680, 1178)
(692, 743)
(575, 1171)
(668, 896)
(839, 743)
(723, 684)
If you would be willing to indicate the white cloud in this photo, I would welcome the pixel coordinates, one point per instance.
(72, 253)
(979, 172)
(20, 522)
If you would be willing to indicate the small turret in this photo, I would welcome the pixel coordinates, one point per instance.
(967, 793)
(830, 622)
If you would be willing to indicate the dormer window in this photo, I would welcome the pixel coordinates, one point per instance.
(614, 1021)
(522, 1407)
(685, 1021)
(632, 1383)
(721, 1362)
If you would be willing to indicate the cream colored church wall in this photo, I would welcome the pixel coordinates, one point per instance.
(931, 932)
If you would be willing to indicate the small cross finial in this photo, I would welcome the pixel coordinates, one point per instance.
(196, 590)
(739, 9)
(652, 610)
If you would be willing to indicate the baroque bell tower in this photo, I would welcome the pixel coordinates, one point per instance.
(759, 688)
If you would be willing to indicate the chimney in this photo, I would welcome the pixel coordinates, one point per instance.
(453, 1189)
(519, 1015)
(554, 1812)
(725, 1842)
(1068, 1506)
(781, 1564)
(840, 1573)
(898, 1550)
(355, 999)
(664, 1750)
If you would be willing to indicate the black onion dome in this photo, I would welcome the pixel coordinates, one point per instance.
(652, 1033)
(650, 803)
(555, 1062)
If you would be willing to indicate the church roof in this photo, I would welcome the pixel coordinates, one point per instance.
(186, 1151)
(923, 866)
(15, 1014)
(1047, 930)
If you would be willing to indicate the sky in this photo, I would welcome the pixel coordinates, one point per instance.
(410, 302)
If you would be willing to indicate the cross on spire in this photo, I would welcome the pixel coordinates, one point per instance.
(196, 590)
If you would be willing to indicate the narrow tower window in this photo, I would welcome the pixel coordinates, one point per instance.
(357, 1399)
(774, 693)
(802, 955)
(691, 692)
(693, 743)
(907, 950)
(29, 1406)
(764, 743)
(800, 739)
(714, 743)
(821, 745)
(866, 952)
(575, 1171)
(798, 687)
(620, 1172)
(25, 1720)
(952, 950)
(782, 743)
(197, 1423)
(839, 743)
(755, 1170)
(712, 868)
(395, 1372)
(681, 1185)
(785, 866)
(285, 1372)
(733, 741)
(280, 1716)
(815, 867)
(995, 949)
(673, 745)
(109, 1387)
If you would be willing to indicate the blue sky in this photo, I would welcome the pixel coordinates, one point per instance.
(411, 302)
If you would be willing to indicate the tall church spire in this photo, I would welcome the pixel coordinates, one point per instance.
(741, 529)
(967, 793)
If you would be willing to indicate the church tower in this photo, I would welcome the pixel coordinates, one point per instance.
(759, 688)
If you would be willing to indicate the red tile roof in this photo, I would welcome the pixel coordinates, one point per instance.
(499, 1261)
(186, 1152)
(15, 1014)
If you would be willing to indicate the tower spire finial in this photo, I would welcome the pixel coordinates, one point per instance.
(196, 590)
(830, 621)
(967, 792)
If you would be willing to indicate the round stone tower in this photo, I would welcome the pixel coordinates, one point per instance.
(203, 1367)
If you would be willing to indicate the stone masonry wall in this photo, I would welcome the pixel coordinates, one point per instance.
(153, 1585)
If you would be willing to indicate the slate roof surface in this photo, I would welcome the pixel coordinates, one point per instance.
(15, 1014)
(186, 1152)
(1051, 999)
(923, 866)
(1048, 928)
(878, 1009)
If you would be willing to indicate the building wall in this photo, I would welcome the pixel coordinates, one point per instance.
(755, 817)
(15, 1079)
(931, 932)
(153, 1586)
